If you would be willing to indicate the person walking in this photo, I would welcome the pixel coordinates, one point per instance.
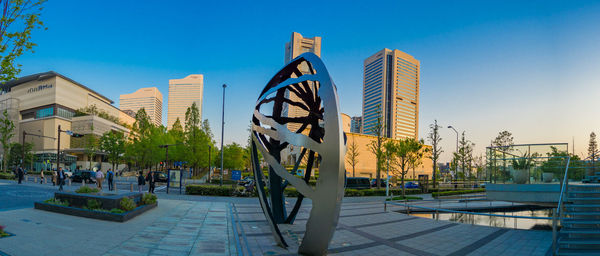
(42, 177)
(61, 178)
(152, 181)
(99, 178)
(110, 175)
(20, 174)
(141, 182)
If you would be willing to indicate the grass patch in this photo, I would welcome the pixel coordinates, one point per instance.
(403, 198)
(55, 201)
(86, 190)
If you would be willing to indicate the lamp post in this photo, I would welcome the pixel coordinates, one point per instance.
(455, 164)
(222, 131)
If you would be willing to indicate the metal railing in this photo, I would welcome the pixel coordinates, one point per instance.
(558, 211)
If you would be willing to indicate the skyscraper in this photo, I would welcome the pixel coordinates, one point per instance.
(182, 93)
(391, 87)
(148, 98)
(296, 46)
(355, 124)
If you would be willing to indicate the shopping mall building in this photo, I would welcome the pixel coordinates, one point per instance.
(37, 104)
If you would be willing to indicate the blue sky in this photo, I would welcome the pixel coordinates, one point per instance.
(530, 67)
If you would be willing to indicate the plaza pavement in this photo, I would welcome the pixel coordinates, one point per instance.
(195, 225)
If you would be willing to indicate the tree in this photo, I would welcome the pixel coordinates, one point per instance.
(352, 156)
(593, 153)
(113, 144)
(91, 146)
(19, 19)
(504, 143)
(6, 133)
(198, 138)
(376, 146)
(139, 150)
(464, 156)
(16, 152)
(232, 156)
(436, 149)
(404, 154)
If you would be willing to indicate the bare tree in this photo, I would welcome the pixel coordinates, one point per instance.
(436, 150)
(593, 153)
(376, 146)
(352, 156)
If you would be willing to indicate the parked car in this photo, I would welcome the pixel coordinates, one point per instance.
(374, 183)
(411, 184)
(88, 176)
(160, 177)
(357, 183)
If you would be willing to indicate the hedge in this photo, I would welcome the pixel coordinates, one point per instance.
(210, 190)
(7, 176)
(457, 192)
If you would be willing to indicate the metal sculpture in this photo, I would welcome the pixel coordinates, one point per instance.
(303, 83)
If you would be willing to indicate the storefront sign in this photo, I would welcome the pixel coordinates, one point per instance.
(39, 88)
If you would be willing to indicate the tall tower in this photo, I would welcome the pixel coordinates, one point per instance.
(148, 98)
(296, 46)
(182, 93)
(391, 85)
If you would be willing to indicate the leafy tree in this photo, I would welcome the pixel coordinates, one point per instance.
(176, 136)
(436, 149)
(558, 162)
(6, 133)
(140, 149)
(404, 154)
(593, 153)
(19, 19)
(16, 152)
(503, 142)
(376, 146)
(198, 137)
(113, 144)
(232, 157)
(91, 146)
(352, 155)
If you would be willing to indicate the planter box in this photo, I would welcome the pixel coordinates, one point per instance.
(108, 201)
(94, 214)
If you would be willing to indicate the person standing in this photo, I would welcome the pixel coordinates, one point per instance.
(42, 177)
(151, 180)
(20, 174)
(99, 178)
(110, 175)
(54, 175)
(61, 178)
(141, 182)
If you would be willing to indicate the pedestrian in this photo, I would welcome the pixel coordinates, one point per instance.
(61, 178)
(42, 177)
(99, 178)
(20, 174)
(141, 181)
(54, 175)
(109, 175)
(151, 180)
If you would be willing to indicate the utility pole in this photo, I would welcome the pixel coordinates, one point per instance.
(222, 131)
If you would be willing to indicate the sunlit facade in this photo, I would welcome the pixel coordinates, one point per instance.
(150, 99)
(182, 94)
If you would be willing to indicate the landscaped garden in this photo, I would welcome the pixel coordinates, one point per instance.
(91, 203)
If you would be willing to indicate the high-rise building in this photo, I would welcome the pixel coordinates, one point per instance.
(182, 93)
(296, 46)
(355, 124)
(391, 89)
(148, 98)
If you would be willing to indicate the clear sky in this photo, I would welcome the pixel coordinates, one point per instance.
(530, 67)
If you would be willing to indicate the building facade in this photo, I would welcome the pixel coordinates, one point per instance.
(37, 104)
(182, 94)
(356, 124)
(391, 89)
(150, 99)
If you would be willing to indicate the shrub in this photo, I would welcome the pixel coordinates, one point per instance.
(7, 175)
(117, 211)
(127, 204)
(55, 201)
(149, 198)
(291, 192)
(218, 181)
(209, 190)
(93, 204)
(404, 197)
(2, 233)
(86, 190)
(457, 192)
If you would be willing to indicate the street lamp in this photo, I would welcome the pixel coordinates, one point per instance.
(222, 131)
(455, 164)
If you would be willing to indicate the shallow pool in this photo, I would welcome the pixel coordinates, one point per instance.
(494, 221)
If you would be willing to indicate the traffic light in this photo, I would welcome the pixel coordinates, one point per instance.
(77, 135)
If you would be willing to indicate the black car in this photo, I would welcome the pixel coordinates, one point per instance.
(160, 177)
(357, 183)
(87, 176)
(374, 183)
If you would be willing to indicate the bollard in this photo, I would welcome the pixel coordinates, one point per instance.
(69, 182)
(131, 187)
(34, 179)
(115, 186)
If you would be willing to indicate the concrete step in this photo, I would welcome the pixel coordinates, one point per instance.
(586, 241)
(583, 199)
(586, 213)
(568, 251)
(568, 221)
(580, 231)
(582, 205)
(584, 191)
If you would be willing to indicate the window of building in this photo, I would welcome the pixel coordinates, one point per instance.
(45, 112)
(65, 113)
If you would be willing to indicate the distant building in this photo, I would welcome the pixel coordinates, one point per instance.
(150, 99)
(295, 47)
(356, 124)
(182, 94)
(346, 121)
(391, 87)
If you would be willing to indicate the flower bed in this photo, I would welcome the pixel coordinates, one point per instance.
(120, 207)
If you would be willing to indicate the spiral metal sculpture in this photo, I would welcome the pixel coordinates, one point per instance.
(304, 83)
